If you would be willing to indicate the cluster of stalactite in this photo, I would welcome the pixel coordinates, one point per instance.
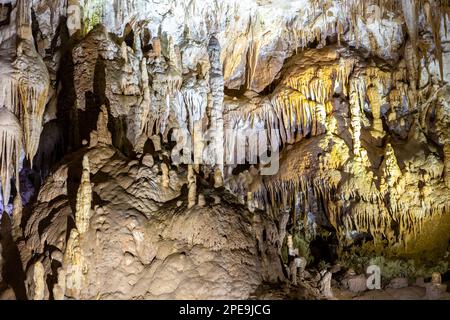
(352, 195)
(24, 86)
(346, 209)
(299, 107)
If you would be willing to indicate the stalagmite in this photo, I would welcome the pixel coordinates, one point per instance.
(292, 251)
(59, 289)
(102, 135)
(39, 281)
(74, 265)
(218, 179)
(84, 199)
(192, 187)
(165, 180)
(293, 272)
(17, 217)
(201, 200)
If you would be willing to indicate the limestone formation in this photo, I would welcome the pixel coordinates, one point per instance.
(217, 149)
(102, 134)
(84, 199)
(39, 281)
(10, 148)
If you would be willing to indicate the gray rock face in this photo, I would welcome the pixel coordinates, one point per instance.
(435, 291)
(398, 283)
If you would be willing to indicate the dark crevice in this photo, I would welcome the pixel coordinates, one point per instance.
(13, 274)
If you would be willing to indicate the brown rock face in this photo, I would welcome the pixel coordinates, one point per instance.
(135, 247)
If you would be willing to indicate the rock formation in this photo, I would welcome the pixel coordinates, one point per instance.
(202, 149)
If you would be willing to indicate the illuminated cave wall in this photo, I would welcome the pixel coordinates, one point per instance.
(351, 97)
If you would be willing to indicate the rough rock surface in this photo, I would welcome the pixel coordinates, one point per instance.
(137, 248)
(350, 97)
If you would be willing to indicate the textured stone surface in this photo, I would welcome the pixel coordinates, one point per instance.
(354, 95)
(398, 283)
(134, 248)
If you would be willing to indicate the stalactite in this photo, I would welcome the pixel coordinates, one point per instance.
(24, 19)
(33, 86)
(434, 18)
(373, 95)
(10, 148)
(411, 12)
(390, 171)
(296, 110)
(355, 110)
(146, 101)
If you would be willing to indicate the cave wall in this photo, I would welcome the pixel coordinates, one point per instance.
(352, 97)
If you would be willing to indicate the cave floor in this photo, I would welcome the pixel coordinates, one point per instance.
(301, 292)
(409, 293)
